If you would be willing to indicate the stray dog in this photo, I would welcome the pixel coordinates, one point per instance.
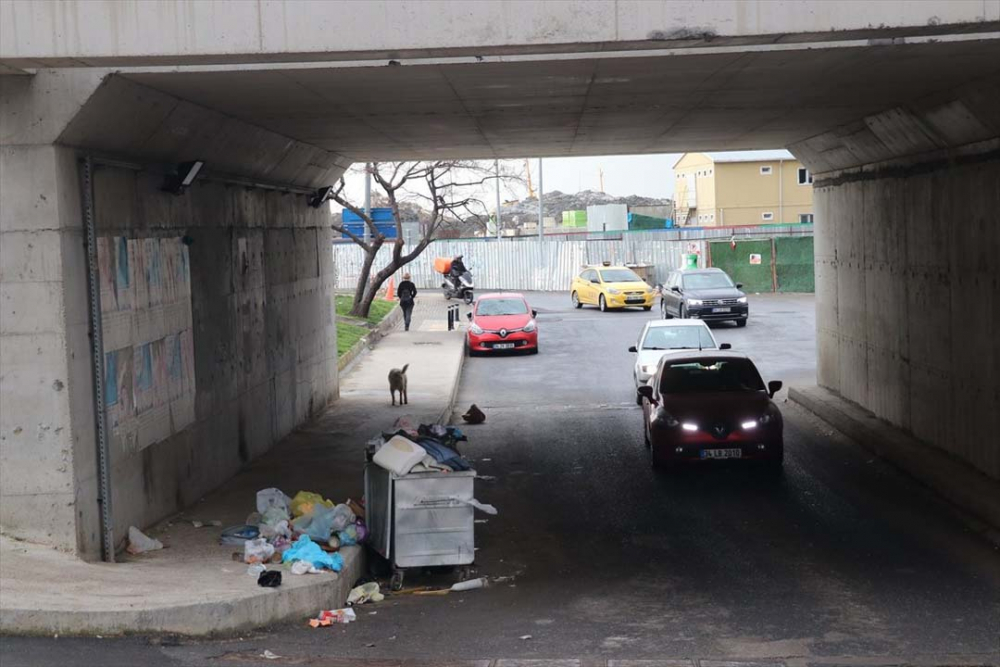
(397, 382)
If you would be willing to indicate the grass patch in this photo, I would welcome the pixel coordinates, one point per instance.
(380, 307)
(348, 335)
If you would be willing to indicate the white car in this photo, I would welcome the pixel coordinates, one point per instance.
(660, 337)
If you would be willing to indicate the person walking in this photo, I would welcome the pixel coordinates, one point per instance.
(407, 293)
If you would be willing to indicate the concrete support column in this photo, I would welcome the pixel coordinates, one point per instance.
(48, 480)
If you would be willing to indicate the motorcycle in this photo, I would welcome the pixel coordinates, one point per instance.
(460, 288)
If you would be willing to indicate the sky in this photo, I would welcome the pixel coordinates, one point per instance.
(645, 175)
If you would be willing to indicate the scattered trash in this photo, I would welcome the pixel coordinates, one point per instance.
(269, 579)
(307, 550)
(503, 580)
(525, 637)
(139, 543)
(482, 521)
(202, 524)
(474, 415)
(269, 656)
(369, 645)
(485, 459)
(487, 478)
(304, 567)
(305, 502)
(256, 570)
(273, 499)
(333, 542)
(197, 524)
(399, 455)
(365, 593)
(331, 616)
(257, 551)
(357, 508)
(238, 535)
(470, 585)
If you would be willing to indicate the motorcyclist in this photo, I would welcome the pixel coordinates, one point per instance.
(457, 271)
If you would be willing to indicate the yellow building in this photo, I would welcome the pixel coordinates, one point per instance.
(742, 188)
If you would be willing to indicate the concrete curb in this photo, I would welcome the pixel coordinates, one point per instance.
(199, 619)
(449, 408)
(975, 494)
(388, 323)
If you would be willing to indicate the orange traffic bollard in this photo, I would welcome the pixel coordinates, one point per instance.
(390, 291)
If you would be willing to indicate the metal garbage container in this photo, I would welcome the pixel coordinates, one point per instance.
(421, 519)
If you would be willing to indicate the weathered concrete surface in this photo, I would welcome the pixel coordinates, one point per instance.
(192, 587)
(129, 32)
(907, 285)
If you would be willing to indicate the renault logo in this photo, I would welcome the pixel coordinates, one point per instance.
(720, 430)
(503, 333)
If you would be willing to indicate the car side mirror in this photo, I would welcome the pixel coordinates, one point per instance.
(595, 281)
(725, 346)
(632, 348)
(739, 285)
(675, 288)
(646, 391)
(469, 315)
(534, 313)
(773, 387)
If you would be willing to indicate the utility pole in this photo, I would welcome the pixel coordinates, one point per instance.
(368, 201)
(541, 213)
(496, 163)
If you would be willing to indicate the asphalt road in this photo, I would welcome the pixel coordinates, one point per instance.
(843, 561)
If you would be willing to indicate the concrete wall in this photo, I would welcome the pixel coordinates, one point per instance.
(908, 296)
(264, 333)
(133, 32)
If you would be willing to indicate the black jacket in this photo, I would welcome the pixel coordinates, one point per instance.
(407, 291)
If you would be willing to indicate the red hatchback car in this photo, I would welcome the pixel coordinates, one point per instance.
(502, 322)
(709, 406)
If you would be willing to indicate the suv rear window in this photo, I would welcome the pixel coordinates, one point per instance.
(710, 375)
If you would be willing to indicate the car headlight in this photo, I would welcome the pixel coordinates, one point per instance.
(475, 328)
(765, 418)
(694, 302)
(742, 299)
(530, 326)
(613, 291)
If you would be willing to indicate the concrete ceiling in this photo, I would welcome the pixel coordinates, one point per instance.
(588, 105)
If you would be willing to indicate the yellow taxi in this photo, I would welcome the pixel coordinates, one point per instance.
(609, 287)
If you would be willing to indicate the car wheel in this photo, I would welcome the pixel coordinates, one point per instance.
(645, 437)
(664, 311)
(647, 308)
(603, 304)
(741, 323)
(576, 300)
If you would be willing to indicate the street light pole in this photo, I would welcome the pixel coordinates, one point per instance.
(499, 225)
(541, 214)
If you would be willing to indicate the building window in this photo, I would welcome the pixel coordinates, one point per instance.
(806, 218)
(767, 216)
(805, 178)
(766, 171)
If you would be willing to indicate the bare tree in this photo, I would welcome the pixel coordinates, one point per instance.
(451, 189)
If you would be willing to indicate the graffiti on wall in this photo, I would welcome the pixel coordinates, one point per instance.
(148, 343)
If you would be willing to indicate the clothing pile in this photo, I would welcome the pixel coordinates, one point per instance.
(305, 532)
(426, 448)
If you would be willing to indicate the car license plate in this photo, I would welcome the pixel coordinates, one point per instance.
(720, 310)
(502, 346)
(721, 453)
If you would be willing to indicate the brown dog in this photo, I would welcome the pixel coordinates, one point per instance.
(397, 382)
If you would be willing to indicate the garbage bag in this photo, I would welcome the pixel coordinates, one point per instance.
(305, 501)
(272, 498)
(318, 523)
(348, 536)
(343, 516)
(364, 593)
(305, 549)
(139, 543)
(257, 551)
(269, 579)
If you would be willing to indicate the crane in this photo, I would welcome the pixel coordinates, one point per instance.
(527, 168)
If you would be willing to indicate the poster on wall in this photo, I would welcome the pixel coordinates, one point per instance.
(755, 258)
(148, 344)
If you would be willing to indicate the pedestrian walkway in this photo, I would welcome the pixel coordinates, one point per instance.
(193, 586)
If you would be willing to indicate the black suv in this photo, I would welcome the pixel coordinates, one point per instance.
(707, 294)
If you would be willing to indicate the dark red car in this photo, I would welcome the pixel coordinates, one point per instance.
(501, 322)
(705, 407)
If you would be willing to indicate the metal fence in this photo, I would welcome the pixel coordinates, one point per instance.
(527, 264)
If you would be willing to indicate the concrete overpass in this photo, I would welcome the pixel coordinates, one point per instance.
(895, 107)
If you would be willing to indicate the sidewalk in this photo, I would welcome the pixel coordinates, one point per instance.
(193, 587)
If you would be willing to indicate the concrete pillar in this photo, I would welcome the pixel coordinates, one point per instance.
(48, 482)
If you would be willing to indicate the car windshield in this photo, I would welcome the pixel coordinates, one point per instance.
(620, 276)
(713, 280)
(678, 338)
(490, 307)
(710, 375)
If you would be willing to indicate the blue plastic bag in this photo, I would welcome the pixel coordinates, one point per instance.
(307, 550)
